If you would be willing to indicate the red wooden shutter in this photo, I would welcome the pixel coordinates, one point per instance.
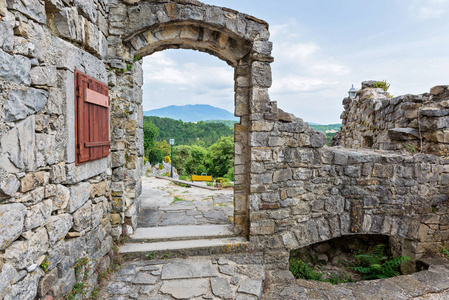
(91, 118)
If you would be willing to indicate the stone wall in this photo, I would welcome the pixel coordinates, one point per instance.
(51, 210)
(411, 123)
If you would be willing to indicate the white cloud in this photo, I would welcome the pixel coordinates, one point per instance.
(429, 9)
(329, 68)
(178, 78)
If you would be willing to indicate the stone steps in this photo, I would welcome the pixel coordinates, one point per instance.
(183, 248)
(181, 233)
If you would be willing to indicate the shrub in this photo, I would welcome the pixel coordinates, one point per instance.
(301, 270)
(383, 85)
(160, 167)
(167, 159)
(377, 265)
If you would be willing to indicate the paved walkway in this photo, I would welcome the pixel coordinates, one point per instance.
(243, 277)
(167, 204)
(238, 276)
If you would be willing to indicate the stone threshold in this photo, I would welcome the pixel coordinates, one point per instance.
(182, 232)
(186, 248)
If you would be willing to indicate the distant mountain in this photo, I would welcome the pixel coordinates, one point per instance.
(191, 113)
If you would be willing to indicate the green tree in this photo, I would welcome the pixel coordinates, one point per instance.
(196, 163)
(150, 134)
(164, 146)
(181, 154)
(220, 157)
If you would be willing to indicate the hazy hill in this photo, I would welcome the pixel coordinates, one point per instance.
(191, 113)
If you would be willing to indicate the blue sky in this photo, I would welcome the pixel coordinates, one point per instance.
(321, 47)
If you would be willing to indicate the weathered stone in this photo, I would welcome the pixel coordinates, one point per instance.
(79, 194)
(70, 25)
(22, 254)
(8, 275)
(221, 288)
(185, 289)
(43, 76)
(33, 9)
(251, 286)
(282, 175)
(22, 103)
(185, 270)
(6, 35)
(32, 181)
(119, 288)
(58, 226)
(9, 185)
(11, 223)
(403, 134)
(47, 282)
(82, 218)
(27, 288)
(38, 214)
(143, 278)
(61, 198)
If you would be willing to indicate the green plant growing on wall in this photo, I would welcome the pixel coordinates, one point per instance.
(445, 252)
(45, 264)
(382, 84)
(136, 58)
(411, 148)
(129, 67)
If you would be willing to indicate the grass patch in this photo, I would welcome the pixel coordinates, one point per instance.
(177, 199)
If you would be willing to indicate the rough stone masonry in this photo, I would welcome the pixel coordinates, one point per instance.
(290, 191)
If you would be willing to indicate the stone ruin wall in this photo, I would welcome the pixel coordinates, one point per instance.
(376, 120)
(291, 191)
(49, 208)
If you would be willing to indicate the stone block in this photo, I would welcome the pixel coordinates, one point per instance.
(82, 218)
(22, 254)
(58, 173)
(2, 8)
(9, 184)
(38, 214)
(6, 34)
(43, 76)
(47, 282)
(383, 171)
(88, 9)
(282, 175)
(70, 25)
(32, 181)
(22, 103)
(298, 126)
(79, 194)
(11, 223)
(33, 9)
(15, 68)
(26, 288)
(259, 154)
(8, 275)
(58, 226)
(261, 74)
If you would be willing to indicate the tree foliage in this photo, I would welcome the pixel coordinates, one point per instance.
(200, 133)
(220, 157)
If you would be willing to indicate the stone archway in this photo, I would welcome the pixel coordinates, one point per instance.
(148, 27)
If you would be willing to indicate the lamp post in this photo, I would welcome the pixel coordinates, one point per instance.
(172, 142)
(352, 92)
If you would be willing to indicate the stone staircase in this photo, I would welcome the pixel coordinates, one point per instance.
(183, 240)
